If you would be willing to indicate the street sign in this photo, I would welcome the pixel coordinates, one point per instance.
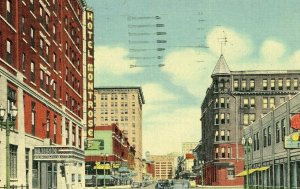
(292, 141)
(295, 121)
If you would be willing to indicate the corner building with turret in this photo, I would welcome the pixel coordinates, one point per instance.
(233, 101)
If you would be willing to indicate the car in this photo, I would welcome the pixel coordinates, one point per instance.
(162, 184)
(135, 185)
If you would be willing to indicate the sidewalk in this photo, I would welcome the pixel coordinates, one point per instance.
(110, 187)
(218, 187)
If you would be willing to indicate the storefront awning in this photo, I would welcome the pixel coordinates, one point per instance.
(245, 172)
(262, 168)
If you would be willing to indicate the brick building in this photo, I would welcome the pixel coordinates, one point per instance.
(234, 100)
(42, 72)
(111, 146)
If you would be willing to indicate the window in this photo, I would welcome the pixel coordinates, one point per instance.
(8, 51)
(230, 173)
(223, 152)
(227, 102)
(246, 102)
(280, 84)
(73, 135)
(251, 118)
(228, 135)
(54, 61)
(229, 152)
(54, 89)
(23, 62)
(282, 129)
(295, 83)
(41, 47)
(257, 141)
(216, 119)
(66, 50)
(236, 85)
(217, 152)
(23, 24)
(288, 84)
(222, 102)
(48, 123)
(252, 102)
(33, 118)
(216, 103)
(222, 135)
(272, 84)
(265, 102)
(54, 32)
(265, 84)
(73, 177)
(228, 117)
(42, 85)
(31, 5)
(47, 84)
(277, 132)
(32, 36)
(244, 85)
(47, 53)
(222, 118)
(27, 151)
(41, 14)
(66, 22)
(269, 135)
(13, 150)
(272, 102)
(47, 22)
(67, 132)
(217, 135)
(246, 119)
(252, 85)
(265, 137)
(55, 128)
(8, 11)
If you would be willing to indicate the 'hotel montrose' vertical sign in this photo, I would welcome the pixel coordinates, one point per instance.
(90, 72)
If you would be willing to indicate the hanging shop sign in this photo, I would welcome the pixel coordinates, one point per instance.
(292, 141)
(98, 165)
(295, 121)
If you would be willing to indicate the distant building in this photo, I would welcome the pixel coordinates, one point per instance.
(187, 147)
(234, 100)
(122, 106)
(164, 166)
(274, 156)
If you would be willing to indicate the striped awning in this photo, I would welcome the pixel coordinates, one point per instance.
(244, 173)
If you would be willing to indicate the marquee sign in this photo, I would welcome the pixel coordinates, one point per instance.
(292, 141)
(57, 153)
(295, 121)
(90, 72)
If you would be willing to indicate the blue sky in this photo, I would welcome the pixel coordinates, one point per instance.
(261, 35)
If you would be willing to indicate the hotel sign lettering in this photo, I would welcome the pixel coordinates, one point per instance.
(90, 73)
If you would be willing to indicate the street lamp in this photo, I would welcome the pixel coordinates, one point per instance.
(8, 124)
(105, 155)
(247, 143)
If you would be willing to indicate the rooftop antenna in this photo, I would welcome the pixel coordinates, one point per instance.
(223, 41)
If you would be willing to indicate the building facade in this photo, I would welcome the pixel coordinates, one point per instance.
(234, 100)
(122, 106)
(164, 166)
(274, 156)
(109, 146)
(42, 59)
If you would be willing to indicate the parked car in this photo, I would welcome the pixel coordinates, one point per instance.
(136, 185)
(163, 184)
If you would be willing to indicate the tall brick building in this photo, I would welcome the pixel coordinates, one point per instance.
(42, 72)
(233, 101)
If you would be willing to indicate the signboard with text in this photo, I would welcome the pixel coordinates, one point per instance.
(57, 153)
(102, 166)
(90, 72)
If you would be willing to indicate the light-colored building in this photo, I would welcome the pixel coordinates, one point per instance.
(122, 106)
(187, 147)
(164, 166)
